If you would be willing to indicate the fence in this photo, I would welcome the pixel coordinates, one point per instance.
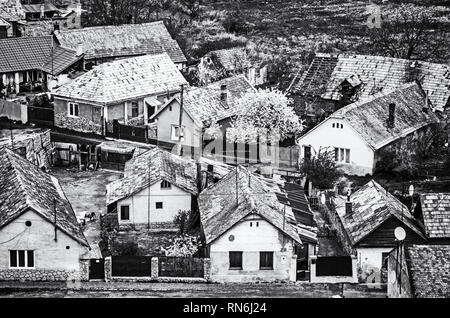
(128, 132)
(41, 115)
(180, 267)
(13, 111)
(131, 266)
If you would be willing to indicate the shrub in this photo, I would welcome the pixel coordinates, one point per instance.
(127, 248)
(187, 221)
(183, 246)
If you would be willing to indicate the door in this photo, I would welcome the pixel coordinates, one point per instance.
(97, 269)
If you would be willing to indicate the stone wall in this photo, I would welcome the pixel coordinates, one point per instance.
(108, 269)
(84, 269)
(398, 280)
(39, 275)
(77, 123)
(144, 226)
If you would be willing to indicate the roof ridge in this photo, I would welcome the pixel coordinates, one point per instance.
(10, 153)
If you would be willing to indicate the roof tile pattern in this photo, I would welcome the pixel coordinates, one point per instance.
(150, 167)
(382, 73)
(436, 214)
(34, 53)
(369, 117)
(122, 40)
(219, 210)
(372, 205)
(429, 270)
(24, 186)
(125, 79)
(231, 59)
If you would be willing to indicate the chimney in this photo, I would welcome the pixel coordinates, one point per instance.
(223, 94)
(426, 106)
(42, 7)
(391, 119)
(199, 176)
(79, 49)
(348, 206)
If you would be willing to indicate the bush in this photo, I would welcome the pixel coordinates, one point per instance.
(187, 221)
(183, 246)
(128, 248)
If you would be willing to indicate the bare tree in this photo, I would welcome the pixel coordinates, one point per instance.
(407, 31)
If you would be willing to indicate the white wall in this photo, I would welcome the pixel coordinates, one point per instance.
(369, 263)
(324, 135)
(48, 254)
(252, 240)
(173, 199)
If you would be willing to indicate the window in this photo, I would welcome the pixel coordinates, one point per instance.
(307, 152)
(159, 205)
(125, 212)
(176, 132)
(165, 185)
(134, 109)
(342, 155)
(21, 259)
(235, 260)
(266, 260)
(384, 260)
(73, 109)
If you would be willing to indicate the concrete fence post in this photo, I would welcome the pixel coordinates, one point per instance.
(84, 272)
(108, 268)
(354, 268)
(154, 267)
(293, 272)
(207, 268)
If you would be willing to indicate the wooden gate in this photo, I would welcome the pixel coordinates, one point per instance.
(180, 267)
(131, 266)
(97, 269)
(334, 266)
(41, 115)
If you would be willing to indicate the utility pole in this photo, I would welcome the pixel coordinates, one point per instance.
(180, 122)
(237, 177)
(54, 210)
(12, 135)
(149, 183)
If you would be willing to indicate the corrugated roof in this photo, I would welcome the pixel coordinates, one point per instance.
(150, 167)
(122, 40)
(369, 116)
(371, 206)
(23, 186)
(219, 210)
(34, 53)
(429, 270)
(125, 79)
(436, 214)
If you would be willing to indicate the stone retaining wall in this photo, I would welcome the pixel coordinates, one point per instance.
(39, 275)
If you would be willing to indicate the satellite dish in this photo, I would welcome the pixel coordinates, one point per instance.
(399, 233)
(322, 198)
(411, 190)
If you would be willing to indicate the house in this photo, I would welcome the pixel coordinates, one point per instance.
(419, 271)
(334, 81)
(230, 62)
(433, 210)
(125, 90)
(41, 238)
(201, 105)
(106, 43)
(250, 235)
(368, 219)
(29, 63)
(12, 18)
(360, 134)
(156, 186)
(34, 145)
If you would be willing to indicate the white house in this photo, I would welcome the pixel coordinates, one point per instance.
(39, 233)
(250, 234)
(156, 186)
(360, 132)
(368, 219)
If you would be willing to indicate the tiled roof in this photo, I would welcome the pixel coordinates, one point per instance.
(36, 8)
(372, 205)
(24, 186)
(34, 53)
(122, 40)
(314, 80)
(376, 73)
(429, 270)
(219, 210)
(436, 214)
(150, 167)
(369, 116)
(38, 28)
(125, 79)
(11, 11)
(230, 59)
